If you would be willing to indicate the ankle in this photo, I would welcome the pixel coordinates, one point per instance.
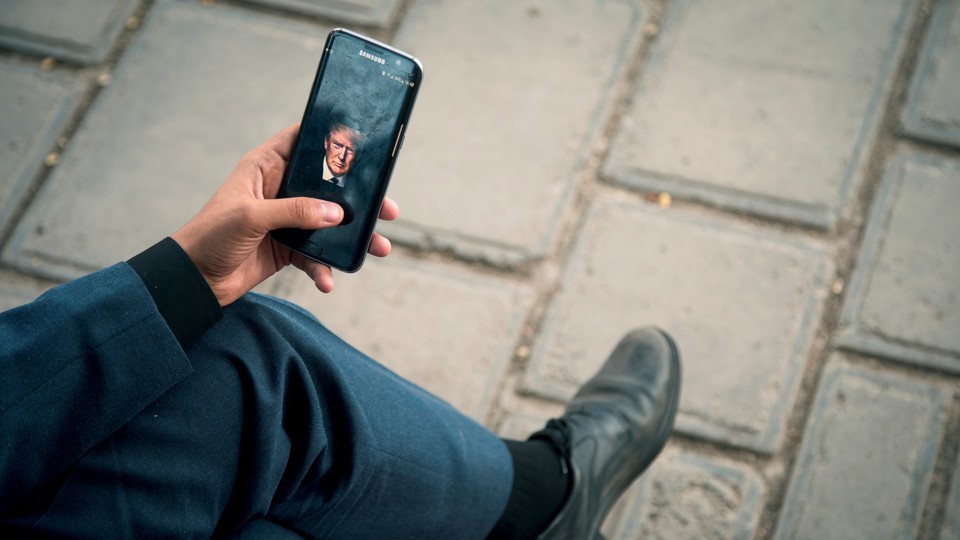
(541, 485)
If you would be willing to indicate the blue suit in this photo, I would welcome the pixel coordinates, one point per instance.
(265, 425)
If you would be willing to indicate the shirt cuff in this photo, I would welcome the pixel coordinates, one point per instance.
(180, 292)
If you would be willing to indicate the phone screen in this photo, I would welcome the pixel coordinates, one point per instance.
(349, 138)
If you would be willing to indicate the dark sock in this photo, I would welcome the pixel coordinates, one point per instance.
(540, 484)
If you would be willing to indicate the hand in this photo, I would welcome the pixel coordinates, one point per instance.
(228, 239)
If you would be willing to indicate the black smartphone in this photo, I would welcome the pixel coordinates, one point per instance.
(352, 130)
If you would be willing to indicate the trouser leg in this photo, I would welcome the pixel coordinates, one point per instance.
(283, 421)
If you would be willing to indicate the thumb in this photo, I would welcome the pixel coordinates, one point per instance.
(298, 213)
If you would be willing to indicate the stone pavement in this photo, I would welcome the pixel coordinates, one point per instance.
(775, 183)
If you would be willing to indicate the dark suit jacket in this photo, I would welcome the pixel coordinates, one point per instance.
(102, 331)
(108, 429)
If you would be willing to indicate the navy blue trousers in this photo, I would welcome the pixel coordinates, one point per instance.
(280, 429)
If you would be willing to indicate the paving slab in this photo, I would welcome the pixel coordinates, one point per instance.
(867, 456)
(446, 329)
(690, 496)
(932, 110)
(16, 290)
(520, 425)
(196, 89)
(951, 522)
(514, 95)
(762, 107)
(35, 106)
(81, 31)
(903, 301)
(742, 303)
(364, 12)
(11, 297)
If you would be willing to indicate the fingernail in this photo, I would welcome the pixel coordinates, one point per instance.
(332, 213)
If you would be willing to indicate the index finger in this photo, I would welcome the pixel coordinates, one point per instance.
(272, 157)
(282, 142)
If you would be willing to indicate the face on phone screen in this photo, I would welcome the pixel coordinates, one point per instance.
(349, 137)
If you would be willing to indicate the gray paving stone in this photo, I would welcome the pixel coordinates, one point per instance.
(867, 457)
(519, 426)
(514, 95)
(16, 290)
(366, 12)
(763, 107)
(932, 110)
(742, 303)
(447, 330)
(903, 300)
(197, 88)
(689, 496)
(951, 523)
(80, 31)
(35, 106)
(12, 297)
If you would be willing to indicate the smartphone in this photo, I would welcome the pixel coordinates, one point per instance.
(352, 130)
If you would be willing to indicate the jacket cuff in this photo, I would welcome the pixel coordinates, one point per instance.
(180, 292)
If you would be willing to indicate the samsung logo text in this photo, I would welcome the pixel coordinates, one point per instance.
(369, 56)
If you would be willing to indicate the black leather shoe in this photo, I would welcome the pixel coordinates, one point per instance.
(613, 428)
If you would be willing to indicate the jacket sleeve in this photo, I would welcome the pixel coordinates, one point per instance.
(83, 359)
